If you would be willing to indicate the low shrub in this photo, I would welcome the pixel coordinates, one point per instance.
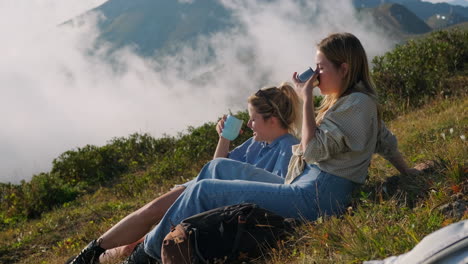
(418, 71)
(97, 165)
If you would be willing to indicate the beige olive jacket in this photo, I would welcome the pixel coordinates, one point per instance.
(345, 140)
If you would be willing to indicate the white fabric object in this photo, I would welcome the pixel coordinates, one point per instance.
(448, 245)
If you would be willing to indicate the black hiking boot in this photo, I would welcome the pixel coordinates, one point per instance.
(89, 255)
(139, 256)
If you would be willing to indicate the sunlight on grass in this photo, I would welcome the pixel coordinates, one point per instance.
(386, 217)
(380, 225)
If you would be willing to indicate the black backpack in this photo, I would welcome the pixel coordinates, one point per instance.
(230, 234)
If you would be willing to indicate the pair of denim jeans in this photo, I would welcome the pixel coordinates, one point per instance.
(224, 182)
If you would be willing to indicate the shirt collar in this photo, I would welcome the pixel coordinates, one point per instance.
(276, 141)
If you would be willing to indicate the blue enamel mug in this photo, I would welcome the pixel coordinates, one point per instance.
(231, 128)
(306, 75)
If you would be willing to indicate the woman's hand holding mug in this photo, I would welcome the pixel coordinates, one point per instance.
(220, 125)
(305, 82)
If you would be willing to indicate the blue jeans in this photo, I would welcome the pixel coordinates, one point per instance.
(224, 182)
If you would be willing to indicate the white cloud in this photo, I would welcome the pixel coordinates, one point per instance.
(56, 96)
(284, 34)
(453, 2)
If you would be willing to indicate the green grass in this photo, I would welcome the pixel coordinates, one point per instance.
(378, 224)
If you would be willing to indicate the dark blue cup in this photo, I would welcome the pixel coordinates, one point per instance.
(303, 77)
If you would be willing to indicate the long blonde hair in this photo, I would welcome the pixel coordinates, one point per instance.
(281, 102)
(342, 48)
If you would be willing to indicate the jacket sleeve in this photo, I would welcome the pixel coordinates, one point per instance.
(344, 129)
(386, 142)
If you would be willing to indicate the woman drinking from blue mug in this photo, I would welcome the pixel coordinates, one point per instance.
(274, 118)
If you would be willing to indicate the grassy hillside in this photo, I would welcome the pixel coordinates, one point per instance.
(391, 213)
(91, 188)
(461, 26)
(383, 209)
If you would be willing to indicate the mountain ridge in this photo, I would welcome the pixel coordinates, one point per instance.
(156, 28)
(397, 19)
(153, 26)
(422, 9)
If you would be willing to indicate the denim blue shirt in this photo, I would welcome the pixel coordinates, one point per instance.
(272, 157)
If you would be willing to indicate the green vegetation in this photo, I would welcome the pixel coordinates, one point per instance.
(390, 214)
(423, 83)
(117, 164)
(420, 70)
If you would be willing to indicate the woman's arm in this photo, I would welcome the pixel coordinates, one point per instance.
(398, 161)
(308, 120)
(222, 149)
(387, 147)
(309, 125)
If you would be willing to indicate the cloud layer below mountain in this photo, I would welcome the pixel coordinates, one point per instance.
(58, 95)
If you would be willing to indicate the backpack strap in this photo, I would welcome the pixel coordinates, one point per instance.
(241, 222)
(195, 246)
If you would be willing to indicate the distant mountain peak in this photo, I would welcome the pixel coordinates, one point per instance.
(398, 17)
(157, 26)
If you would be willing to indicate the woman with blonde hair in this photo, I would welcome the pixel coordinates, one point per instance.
(274, 118)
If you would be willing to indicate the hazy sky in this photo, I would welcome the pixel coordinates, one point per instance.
(56, 97)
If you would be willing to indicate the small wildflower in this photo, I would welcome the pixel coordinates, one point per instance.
(442, 135)
(451, 131)
(463, 137)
